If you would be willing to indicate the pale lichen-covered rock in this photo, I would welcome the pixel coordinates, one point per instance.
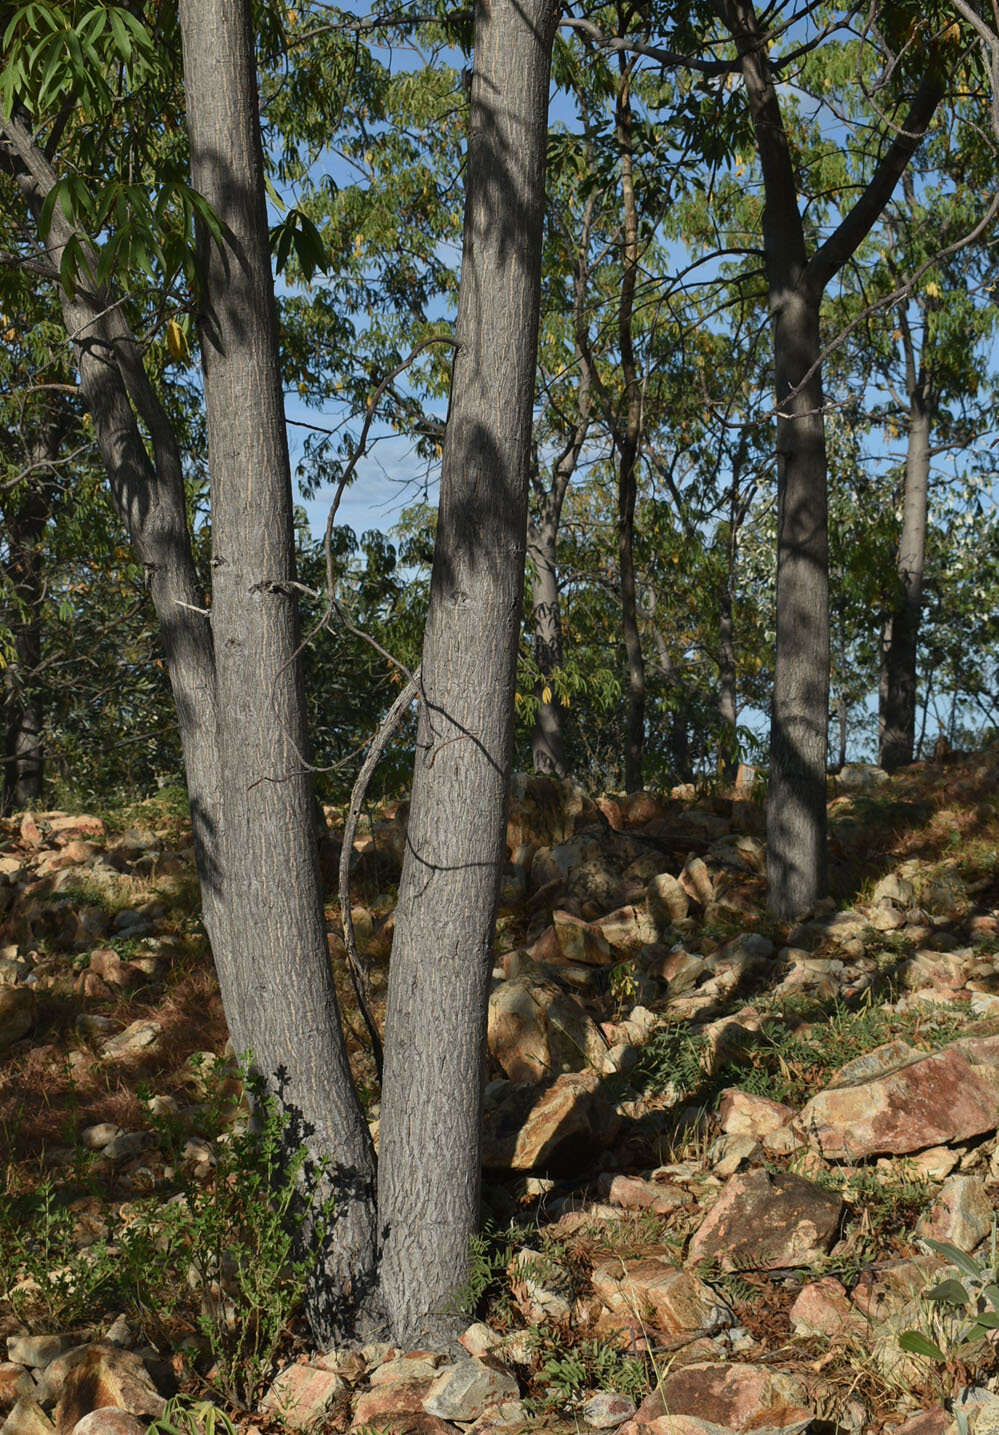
(558, 1128)
(464, 1390)
(734, 1395)
(962, 1213)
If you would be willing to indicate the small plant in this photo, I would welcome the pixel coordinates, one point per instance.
(183, 1416)
(965, 1311)
(569, 1371)
(235, 1239)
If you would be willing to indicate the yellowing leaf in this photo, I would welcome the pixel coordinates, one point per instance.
(546, 694)
(177, 342)
(933, 289)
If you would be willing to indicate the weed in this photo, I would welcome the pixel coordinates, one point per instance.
(183, 1416)
(569, 1371)
(964, 1312)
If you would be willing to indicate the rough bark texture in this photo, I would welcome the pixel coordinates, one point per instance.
(442, 953)
(897, 725)
(25, 512)
(274, 969)
(627, 439)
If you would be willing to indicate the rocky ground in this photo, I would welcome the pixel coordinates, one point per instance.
(729, 1165)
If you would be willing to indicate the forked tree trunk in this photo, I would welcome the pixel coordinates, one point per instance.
(272, 957)
(897, 725)
(796, 796)
(428, 1191)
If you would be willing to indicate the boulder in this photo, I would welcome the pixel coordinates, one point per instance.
(17, 1014)
(403, 1397)
(301, 1395)
(467, 1388)
(667, 900)
(607, 1410)
(109, 1420)
(27, 1418)
(734, 1395)
(767, 1221)
(107, 1375)
(740, 1113)
(929, 1101)
(653, 1289)
(962, 1213)
(559, 1128)
(537, 1031)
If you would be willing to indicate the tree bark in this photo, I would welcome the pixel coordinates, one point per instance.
(627, 440)
(547, 742)
(897, 725)
(25, 515)
(796, 795)
(442, 952)
(274, 968)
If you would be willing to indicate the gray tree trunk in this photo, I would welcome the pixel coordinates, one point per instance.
(897, 716)
(796, 796)
(627, 440)
(547, 742)
(428, 1194)
(273, 965)
(25, 512)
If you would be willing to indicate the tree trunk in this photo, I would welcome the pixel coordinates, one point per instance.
(627, 440)
(273, 961)
(442, 953)
(547, 744)
(727, 708)
(796, 795)
(898, 656)
(25, 515)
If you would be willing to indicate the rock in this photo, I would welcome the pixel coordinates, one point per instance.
(541, 1287)
(406, 1367)
(15, 1381)
(697, 882)
(607, 1410)
(740, 1113)
(464, 1390)
(823, 1307)
(478, 1338)
(931, 1101)
(579, 941)
(893, 889)
(27, 1418)
(382, 1401)
(105, 1376)
(537, 1031)
(652, 1288)
(667, 900)
(962, 1213)
(409, 1422)
(929, 1422)
(735, 1395)
(559, 1128)
(634, 1193)
(17, 1014)
(302, 1394)
(138, 1036)
(38, 1351)
(109, 1420)
(860, 777)
(95, 1138)
(674, 1425)
(628, 929)
(767, 1221)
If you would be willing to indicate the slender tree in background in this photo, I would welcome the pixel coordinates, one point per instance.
(796, 798)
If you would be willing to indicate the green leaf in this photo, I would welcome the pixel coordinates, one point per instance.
(918, 1344)
(950, 1292)
(957, 1257)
